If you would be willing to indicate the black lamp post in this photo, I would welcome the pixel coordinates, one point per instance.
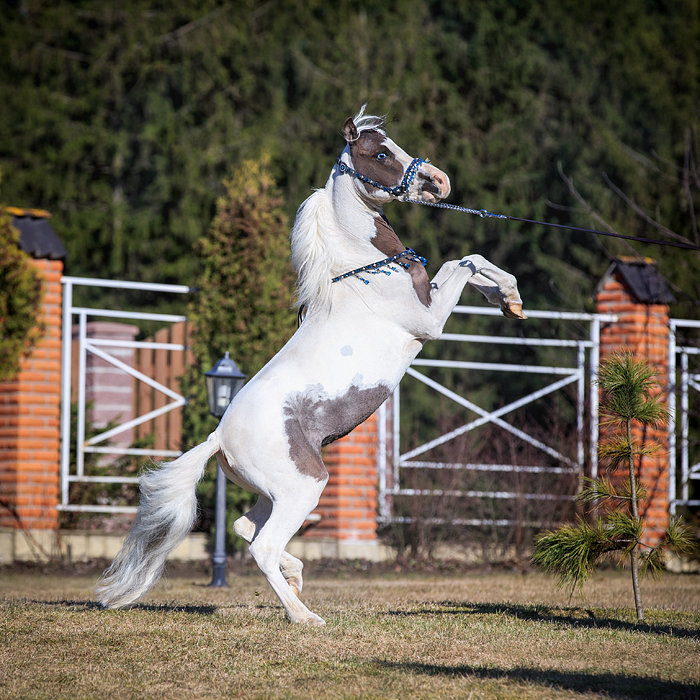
(224, 380)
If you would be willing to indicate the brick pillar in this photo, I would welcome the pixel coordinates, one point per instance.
(636, 293)
(348, 505)
(30, 421)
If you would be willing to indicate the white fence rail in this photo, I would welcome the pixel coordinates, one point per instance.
(577, 369)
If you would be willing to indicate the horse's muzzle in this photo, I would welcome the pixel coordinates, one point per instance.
(433, 184)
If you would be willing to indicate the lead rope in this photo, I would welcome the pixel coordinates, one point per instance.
(408, 176)
(483, 213)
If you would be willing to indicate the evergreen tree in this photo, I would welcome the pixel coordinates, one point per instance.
(124, 119)
(21, 294)
(243, 303)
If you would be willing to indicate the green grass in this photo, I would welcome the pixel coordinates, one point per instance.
(388, 636)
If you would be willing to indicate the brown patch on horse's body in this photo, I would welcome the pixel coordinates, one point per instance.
(386, 241)
(311, 422)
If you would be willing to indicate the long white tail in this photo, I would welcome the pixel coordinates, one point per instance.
(164, 518)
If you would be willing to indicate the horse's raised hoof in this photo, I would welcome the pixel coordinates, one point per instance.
(292, 575)
(513, 311)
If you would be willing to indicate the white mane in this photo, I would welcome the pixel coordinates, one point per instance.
(315, 237)
(312, 252)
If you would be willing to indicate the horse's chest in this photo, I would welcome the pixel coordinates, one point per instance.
(386, 240)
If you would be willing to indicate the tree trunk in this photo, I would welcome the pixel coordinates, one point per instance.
(634, 554)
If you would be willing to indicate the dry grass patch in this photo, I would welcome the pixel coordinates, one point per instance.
(501, 635)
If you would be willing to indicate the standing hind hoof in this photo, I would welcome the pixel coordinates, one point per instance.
(312, 620)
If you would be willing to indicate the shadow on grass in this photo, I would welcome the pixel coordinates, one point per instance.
(612, 684)
(219, 609)
(161, 607)
(559, 616)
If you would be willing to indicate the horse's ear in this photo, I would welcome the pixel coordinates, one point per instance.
(350, 130)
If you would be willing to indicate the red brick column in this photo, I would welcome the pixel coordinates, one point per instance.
(643, 329)
(30, 422)
(348, 506)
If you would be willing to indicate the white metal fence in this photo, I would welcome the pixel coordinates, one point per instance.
(101, 348)
(683, 380)
(580, 355)
(577, 369)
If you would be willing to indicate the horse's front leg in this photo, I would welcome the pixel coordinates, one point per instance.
(445, 289)
(498, 286)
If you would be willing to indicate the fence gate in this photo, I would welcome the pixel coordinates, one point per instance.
(684, 383)
(88, 456)
(574, 365)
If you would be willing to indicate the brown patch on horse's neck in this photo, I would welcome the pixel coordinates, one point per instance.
(385, 238)
(386, 241)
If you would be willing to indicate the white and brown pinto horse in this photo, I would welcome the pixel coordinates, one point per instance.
(368, 307)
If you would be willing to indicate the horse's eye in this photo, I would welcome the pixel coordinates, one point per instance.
(381, 156)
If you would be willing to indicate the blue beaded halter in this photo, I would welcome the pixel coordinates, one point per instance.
(385, 266)
(344, 168)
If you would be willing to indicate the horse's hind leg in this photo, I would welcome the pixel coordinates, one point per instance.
(249, 524)
(289, 511)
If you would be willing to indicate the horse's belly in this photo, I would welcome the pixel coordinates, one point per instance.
(315, 390)
(338, 356)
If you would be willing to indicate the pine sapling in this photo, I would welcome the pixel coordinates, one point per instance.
(572, 551)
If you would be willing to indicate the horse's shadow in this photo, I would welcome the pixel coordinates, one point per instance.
(611, 684)
(565, 617)
(190, 609)
(80, 605)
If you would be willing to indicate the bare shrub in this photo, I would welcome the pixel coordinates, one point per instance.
(485, 494)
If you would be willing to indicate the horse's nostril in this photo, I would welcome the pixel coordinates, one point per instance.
(431, 187)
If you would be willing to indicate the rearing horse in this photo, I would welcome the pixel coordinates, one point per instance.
(368, 307)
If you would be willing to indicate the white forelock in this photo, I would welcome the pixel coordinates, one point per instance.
(364, 122)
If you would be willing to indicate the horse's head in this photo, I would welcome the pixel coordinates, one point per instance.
(383, 170)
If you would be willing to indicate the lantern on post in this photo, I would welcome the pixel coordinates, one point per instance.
(224, 380)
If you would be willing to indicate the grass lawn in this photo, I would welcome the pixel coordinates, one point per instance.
(389, 635)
